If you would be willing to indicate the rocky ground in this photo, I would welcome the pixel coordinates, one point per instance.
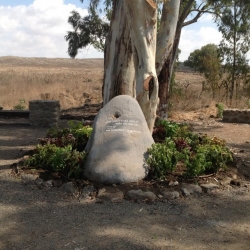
(212, 212)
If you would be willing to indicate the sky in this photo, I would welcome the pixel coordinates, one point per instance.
(36, 28)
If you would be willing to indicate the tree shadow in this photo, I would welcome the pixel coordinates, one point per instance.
(33, 218)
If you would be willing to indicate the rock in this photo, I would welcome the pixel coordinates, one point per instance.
(39, 181)
(141, 195)
(173, 183)
(48, 184)
(235, 176)
(117, 148)
(185, 191)
(208, 187)
(87, 191)
(192, 188)
(57, 183)
(69, 187)
(29, 177)
(110, 194)
(226, 181)
(170, 195)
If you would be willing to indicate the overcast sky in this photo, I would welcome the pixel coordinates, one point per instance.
(36, 28)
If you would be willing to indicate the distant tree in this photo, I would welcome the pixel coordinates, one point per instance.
(207, 62)
(234, 24)
(89, 30)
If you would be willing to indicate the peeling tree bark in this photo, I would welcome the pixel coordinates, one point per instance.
(130, 55)
(142, 16)
(165, 48)
(119, 75)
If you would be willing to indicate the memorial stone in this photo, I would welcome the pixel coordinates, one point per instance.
(117, 148)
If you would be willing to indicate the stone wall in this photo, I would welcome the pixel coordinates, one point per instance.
(236, 115)
(44, 113)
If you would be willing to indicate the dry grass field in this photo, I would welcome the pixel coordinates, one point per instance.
(79, 81)
(73, 82)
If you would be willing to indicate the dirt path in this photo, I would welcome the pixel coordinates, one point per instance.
(33, 218)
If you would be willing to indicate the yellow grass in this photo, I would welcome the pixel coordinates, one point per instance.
(76, 82)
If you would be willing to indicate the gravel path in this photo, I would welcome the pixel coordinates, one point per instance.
(33, 218)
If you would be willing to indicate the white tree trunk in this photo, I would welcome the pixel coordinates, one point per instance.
(119, 73)
(166, 33)
(142, 17)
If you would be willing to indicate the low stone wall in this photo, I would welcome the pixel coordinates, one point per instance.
(44, 113)
(236, 115)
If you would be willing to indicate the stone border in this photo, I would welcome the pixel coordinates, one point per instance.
(236, 115)
(44, 113)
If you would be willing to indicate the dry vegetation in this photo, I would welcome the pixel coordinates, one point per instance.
(79, 81)
(73, 82)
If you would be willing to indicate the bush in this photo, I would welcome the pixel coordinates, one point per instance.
(62, 150)
(76, 135)
(62, 160)
(20, 106)
(163, 158)
(220, 108)
(198, 155)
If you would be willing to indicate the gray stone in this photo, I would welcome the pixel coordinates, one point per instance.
(192, 188)
(141, 195)
(208, 187)
(39, 182)
(48, 184)
(117, 148)
(170, 195)
(69, 187)
(87, 191)
(110, 194)
(185, 191)
(57, 183)
(29, 177)
(173, 183)
(226, 181)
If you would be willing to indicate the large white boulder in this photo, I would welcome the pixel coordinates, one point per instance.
(117, 148)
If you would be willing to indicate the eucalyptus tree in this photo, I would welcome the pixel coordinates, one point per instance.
(207, 61)
(138, 53)
(234, 24)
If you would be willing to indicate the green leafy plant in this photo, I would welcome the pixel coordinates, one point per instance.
(20, 106)
(220, 108)
(76, 135)
(163, 158)
(56, 159)
(196, 154)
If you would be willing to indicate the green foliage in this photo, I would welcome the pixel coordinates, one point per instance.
(207, 61)
(62, 160)
(62, 151)
(220, 108)
(196, 154)
(208, 158)
(20, 106)
(163, 158)
(234, 24)
(89, 30)
(76, 135)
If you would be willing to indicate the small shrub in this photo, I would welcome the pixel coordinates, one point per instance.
(220, 108)
(56, 159)
(76, 135)
(196, 154)
(163, 158)
(20, 106)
